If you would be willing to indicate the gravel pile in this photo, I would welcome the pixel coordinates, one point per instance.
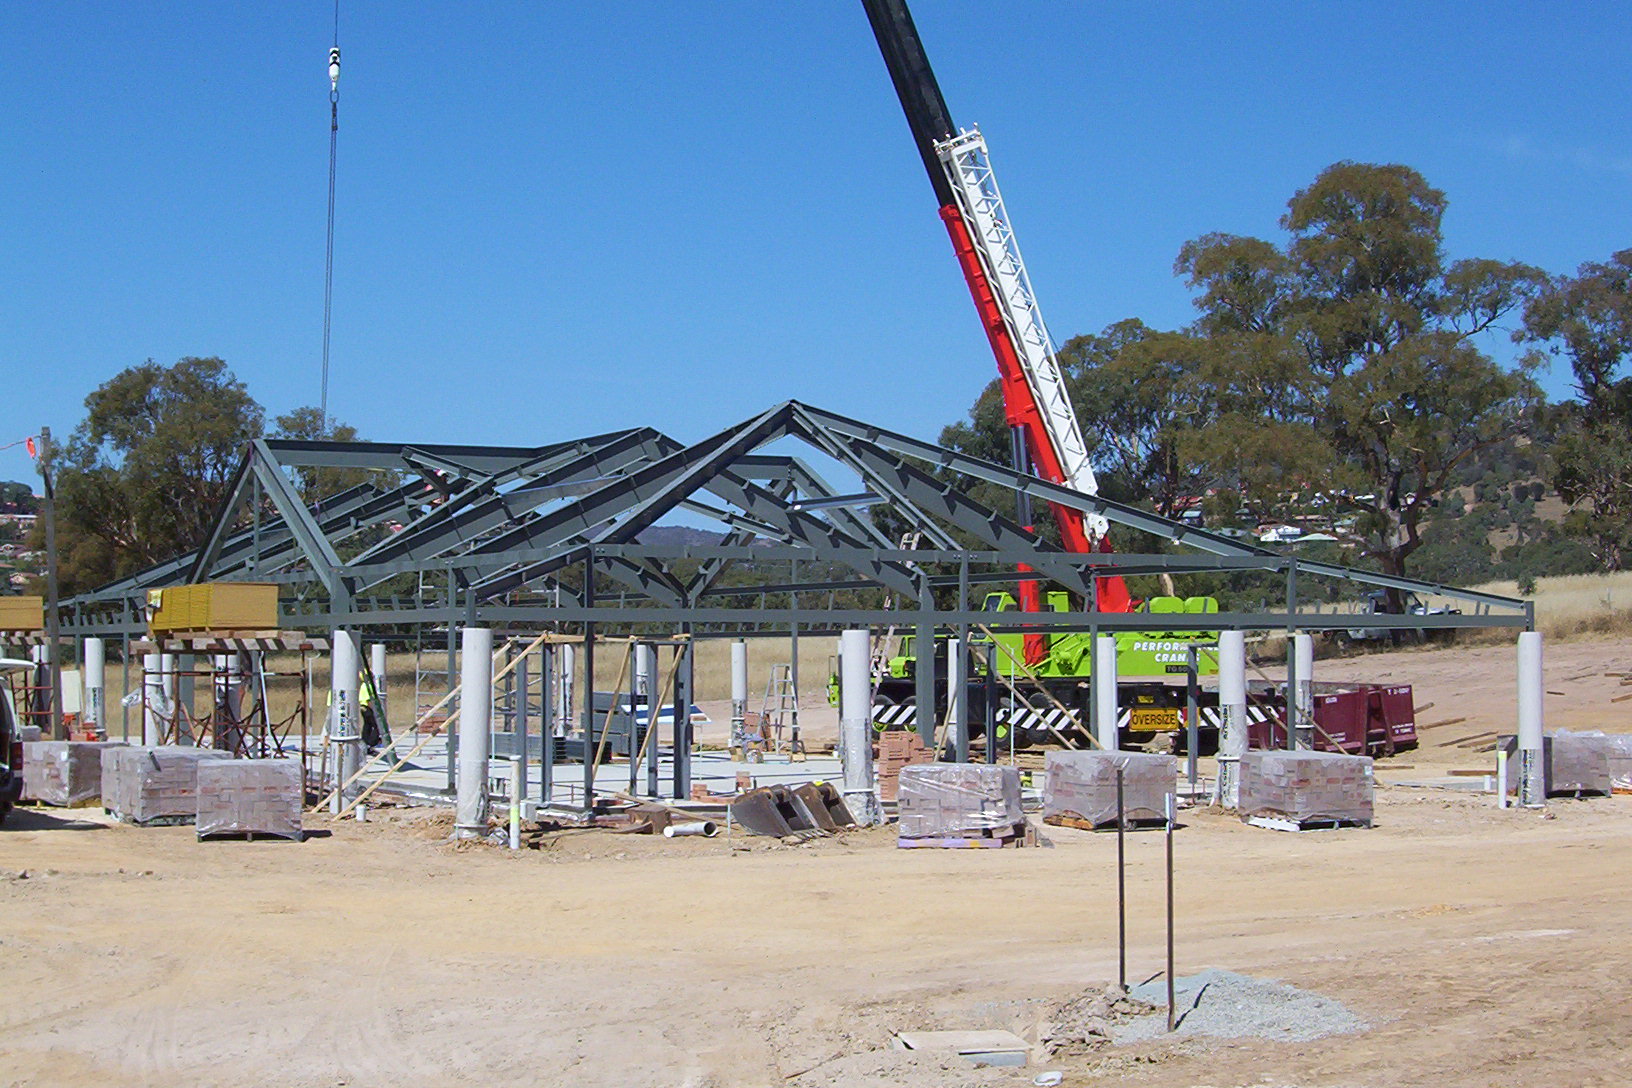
(1226, 1005)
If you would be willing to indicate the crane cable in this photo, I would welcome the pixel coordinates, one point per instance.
(328, 259)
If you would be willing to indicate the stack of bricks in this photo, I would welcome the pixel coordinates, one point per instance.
(63, 772)
(1306, 786)
(1080, 787)
(949, 800)
(249, 797)
(897, 748)
(154, 785)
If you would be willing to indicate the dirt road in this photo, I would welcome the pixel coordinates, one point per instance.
(1486, 947)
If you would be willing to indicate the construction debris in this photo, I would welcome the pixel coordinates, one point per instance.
(807, 811)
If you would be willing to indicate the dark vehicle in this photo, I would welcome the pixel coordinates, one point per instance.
(11, 747)
(1378, 605)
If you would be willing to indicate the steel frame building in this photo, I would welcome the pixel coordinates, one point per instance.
(549, 538)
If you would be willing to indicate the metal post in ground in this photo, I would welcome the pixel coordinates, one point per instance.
(1192, 713)
(1104, 675)
(682, 721)
(590, 746)
(1172, 811)
(991, 703)
(546, 727)
(1121, 887)
(1232, 706)
(345, 723)
(94, 712)
(475, 729)
(640, 694)
(523, 712)
(855, 726)
(1532, 726)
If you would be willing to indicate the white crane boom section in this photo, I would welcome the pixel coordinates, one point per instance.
(969, 169)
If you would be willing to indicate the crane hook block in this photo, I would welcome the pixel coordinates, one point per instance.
(334, 68)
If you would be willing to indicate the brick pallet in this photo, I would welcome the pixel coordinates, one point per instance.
(1306, 790)
(250, 797)
(959, 801)
(1079, 788)
(67, 773)
(154, 785)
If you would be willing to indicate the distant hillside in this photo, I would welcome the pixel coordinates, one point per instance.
(679, 536)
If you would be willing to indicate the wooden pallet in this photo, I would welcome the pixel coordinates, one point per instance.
(1286, 823)
(1141, 824)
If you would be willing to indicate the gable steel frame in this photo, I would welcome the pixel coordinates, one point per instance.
(515, 532)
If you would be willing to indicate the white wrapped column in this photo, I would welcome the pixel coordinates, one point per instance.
(1105, 692)
(855, 726)
(475, 729)
(93, 712)
(739, 695)
(345, 722)
(1532, 769)
(155, 703)
(1232, 705)
(1303, 697)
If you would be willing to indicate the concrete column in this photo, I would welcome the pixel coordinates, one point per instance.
(855, 727)
(1105, 692)
(155, 703)
(226, 682)
(646, 671)
(1303, 694)
(345, 722)
(739, 696)
(94, 710)
(172, 700)
(1232, 704)
(475, 730)
(1532, 765)
(957, 690)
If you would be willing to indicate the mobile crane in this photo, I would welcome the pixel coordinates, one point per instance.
(1045, 435)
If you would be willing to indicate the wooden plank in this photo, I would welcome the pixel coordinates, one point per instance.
(1435, 725)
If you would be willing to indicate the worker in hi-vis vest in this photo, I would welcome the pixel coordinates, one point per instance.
(372, 738)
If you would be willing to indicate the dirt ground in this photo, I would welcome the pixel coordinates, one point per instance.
(1486, 947)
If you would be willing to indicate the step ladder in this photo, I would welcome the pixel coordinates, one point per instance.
(780, 711)
(884, 648)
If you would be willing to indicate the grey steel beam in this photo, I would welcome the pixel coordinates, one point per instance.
(316, 547)
(1129, 516)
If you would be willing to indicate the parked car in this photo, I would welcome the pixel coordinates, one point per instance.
(11, 745)
(1378, 605)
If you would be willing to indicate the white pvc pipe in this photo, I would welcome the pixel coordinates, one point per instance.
(345, 722)
(1303, 700)
(1532, 769)
(697, 827)
(475, 728)
(93, 713)
(1232, 703)
(1105, 691)
(155, 703)
(855, 726)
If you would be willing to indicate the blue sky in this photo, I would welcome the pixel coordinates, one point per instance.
(561, 218)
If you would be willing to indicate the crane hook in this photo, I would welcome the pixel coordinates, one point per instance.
(334, 70)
